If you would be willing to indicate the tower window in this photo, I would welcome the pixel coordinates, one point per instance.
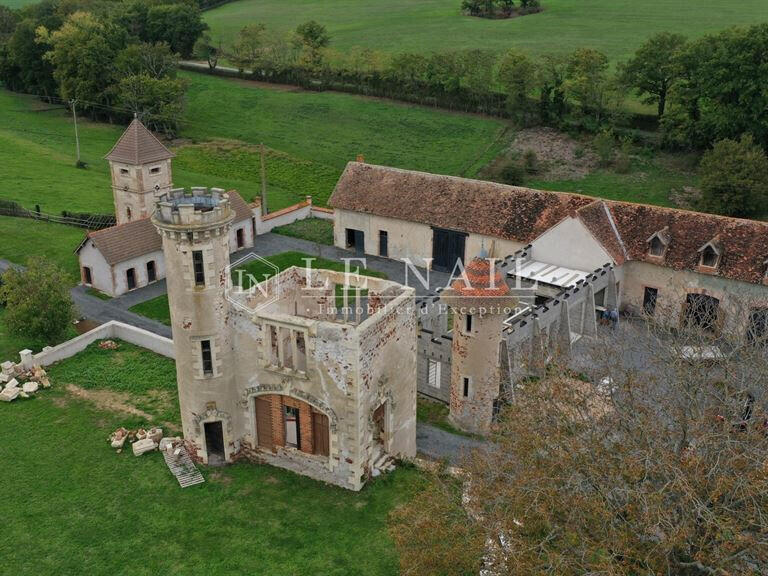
(465, 385)
(124, 171)
(468, 323)
(709, 257)
(197, 262)
(206, 357)
(155, 170)
(128, 214)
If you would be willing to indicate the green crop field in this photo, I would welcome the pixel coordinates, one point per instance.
(616, 27)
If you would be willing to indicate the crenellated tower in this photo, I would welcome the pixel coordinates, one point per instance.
(480, 300)
(141, 172)
(195, 229)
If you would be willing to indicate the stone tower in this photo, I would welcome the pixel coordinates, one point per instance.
(480, 300)
(141, 172)
(195, 229)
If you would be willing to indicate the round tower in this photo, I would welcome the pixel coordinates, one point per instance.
(480, 300)
(195, 229)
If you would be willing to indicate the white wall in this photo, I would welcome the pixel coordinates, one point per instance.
(571, 245)
(113, 329)
(101, 272)
(140, 265)
(410, 239)
(288, 215)
(247, 226)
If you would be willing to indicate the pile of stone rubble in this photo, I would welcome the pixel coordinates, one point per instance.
(18, 382)
(143, 441)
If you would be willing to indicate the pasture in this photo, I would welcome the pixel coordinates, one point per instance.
(617, 27)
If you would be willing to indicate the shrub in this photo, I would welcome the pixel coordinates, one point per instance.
(531, 162)
(512, 173)
(604, 145)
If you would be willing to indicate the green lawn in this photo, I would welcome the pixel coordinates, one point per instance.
(156, 309)
(312, 229)
(649, 181)
(79, 508)
(11, 345)
(616, 27)
(22, 238)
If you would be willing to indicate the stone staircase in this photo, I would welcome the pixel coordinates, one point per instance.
(382, 462)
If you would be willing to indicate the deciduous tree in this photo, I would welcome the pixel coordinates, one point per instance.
(734, 178)
(37, 301)
(312, 38)
(654, 68)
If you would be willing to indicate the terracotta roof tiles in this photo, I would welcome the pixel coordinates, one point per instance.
(138, 146)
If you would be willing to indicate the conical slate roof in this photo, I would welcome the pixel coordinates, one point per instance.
(138, 146)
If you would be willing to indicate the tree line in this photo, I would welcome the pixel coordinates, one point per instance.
(702, 90)
(114, 59)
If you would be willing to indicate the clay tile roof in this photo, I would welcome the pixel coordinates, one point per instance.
(478, 274)
(125, 241)
(137, 146)
(475, 206)
(140, 237)
(743, 244)
(240, 206)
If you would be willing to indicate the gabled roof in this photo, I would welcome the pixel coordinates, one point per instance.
(476, 206)
(140, 237)
(743, 244)
(125, 241)
(138, 146)
(522, 214)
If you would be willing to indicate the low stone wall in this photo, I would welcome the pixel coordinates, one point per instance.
(300, 211)
(113, 329)
(321, 213)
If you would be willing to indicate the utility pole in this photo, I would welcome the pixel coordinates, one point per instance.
(73, 103)
(264, 209)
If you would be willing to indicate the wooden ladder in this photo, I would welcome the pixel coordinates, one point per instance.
(183, 468)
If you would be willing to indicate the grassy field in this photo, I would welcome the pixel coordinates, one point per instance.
(313, 229)
(616, 27)
(79, 508)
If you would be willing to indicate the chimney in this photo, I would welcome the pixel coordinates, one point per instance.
(360, 158)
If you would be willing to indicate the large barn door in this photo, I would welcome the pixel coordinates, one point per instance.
(447, 248)
(264, 423)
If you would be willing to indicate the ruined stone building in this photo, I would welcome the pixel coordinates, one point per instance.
(129, 255)
(277, 373)
(570, 258)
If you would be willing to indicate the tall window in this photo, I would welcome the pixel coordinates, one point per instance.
(468, 323)
(197, 261)
(206, 357)
(434, 373)
(465, 382)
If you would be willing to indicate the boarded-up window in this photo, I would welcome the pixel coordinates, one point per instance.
(264, 423)
(434, 373)
(320, 433)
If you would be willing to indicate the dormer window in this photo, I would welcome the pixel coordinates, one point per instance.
(710, 254)
(657, 244)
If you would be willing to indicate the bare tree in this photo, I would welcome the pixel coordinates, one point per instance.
(644, 453)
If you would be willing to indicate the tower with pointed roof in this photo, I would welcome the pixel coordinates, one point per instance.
(480, 300)
(141, 172)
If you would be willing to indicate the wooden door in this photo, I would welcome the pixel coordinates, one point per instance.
(264, 423)
(447, 248)
(320, 434)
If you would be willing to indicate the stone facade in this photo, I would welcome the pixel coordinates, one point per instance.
(277, 373)
(136, 188)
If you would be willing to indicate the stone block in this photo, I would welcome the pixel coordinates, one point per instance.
(12, 383)
(27, 359)
(4, 377)
(30, 387)
(155, 434)
(9, 394)
(143, 446)
(8, 367)
(167, 443)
